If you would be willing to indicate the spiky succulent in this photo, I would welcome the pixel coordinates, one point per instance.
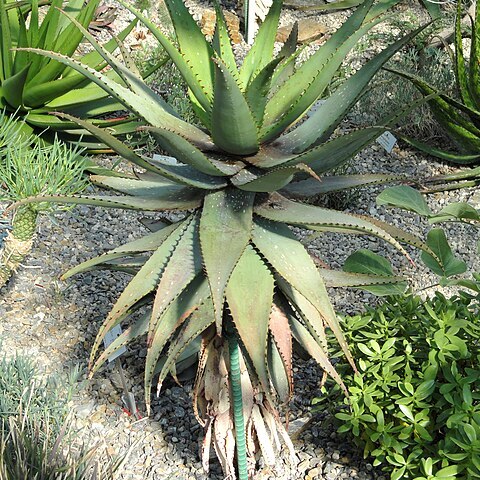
(29, 167)
(232, 270)
(460, 118)
(33, 85)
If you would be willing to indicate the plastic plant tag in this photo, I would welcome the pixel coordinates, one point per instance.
(110, 336)
(387, 141)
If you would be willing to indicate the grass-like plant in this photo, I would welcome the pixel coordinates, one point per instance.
(37, 438)
(231, 275)
(459, 117)
(28, 168)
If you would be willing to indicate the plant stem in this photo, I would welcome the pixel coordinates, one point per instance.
(236, 386)
(18, 243)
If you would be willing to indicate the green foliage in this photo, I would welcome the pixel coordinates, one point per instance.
(433, 9)
(37, 437)
(459, 116)
(38, 86)
(414, 404)
(233, 259)
(431, 64)
(20, 380)
(28, 167)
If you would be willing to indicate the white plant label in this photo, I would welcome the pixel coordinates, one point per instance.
(387, 141)
(110, 336)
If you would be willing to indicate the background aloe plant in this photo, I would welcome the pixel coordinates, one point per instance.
(231, 274)
(460, 118)
(33, 85)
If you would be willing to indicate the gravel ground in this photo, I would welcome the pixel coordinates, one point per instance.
(55, 322)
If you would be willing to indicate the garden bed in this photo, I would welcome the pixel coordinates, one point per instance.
(55, 322)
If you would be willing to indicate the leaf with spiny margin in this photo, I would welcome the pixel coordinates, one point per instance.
(194, 47)
(280, 209)
(327, 156)
(282, 341)
(474, 73)
(277, 243)
(308, 343)
(378, 268)
(127, 203)
(338, 279)
(261, 52)
(160, 190)
(288, 55)
(276, 370)
(250, 297)
(200, 319)
(183, 266)
(399, 234)
(225, 228)
(461, 75)
(194, 295)
(130, 76)
(152, 112)
(187, 153)
(125, 265)
(6, 54)
(446, 111)
(221, 41)
(308, 82)
(144, 244)
(186, 175)
(285, 70)
(323, 121)
(127, 58)
(458, 158)
(306, 311)
(137, 329)
(312, 187)
(201, 86)
(141, 285)
(271, 181)
(64, 43)
(406, 198)
(233, 126)
(257, 90)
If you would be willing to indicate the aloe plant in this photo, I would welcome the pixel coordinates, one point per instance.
(460, 118)
(231, 275)
(32, 86)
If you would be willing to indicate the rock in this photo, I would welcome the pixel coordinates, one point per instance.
(313, 474)
(209, 18)
(309, 30)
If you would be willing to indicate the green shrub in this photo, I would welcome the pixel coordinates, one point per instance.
(414, 401)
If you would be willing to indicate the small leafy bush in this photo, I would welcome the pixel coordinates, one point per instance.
(413, 403)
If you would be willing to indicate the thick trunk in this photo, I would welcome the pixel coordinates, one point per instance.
(18, 243)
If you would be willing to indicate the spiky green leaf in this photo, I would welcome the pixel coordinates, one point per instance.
(225, 229)
(250, 308)
(233, 125)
